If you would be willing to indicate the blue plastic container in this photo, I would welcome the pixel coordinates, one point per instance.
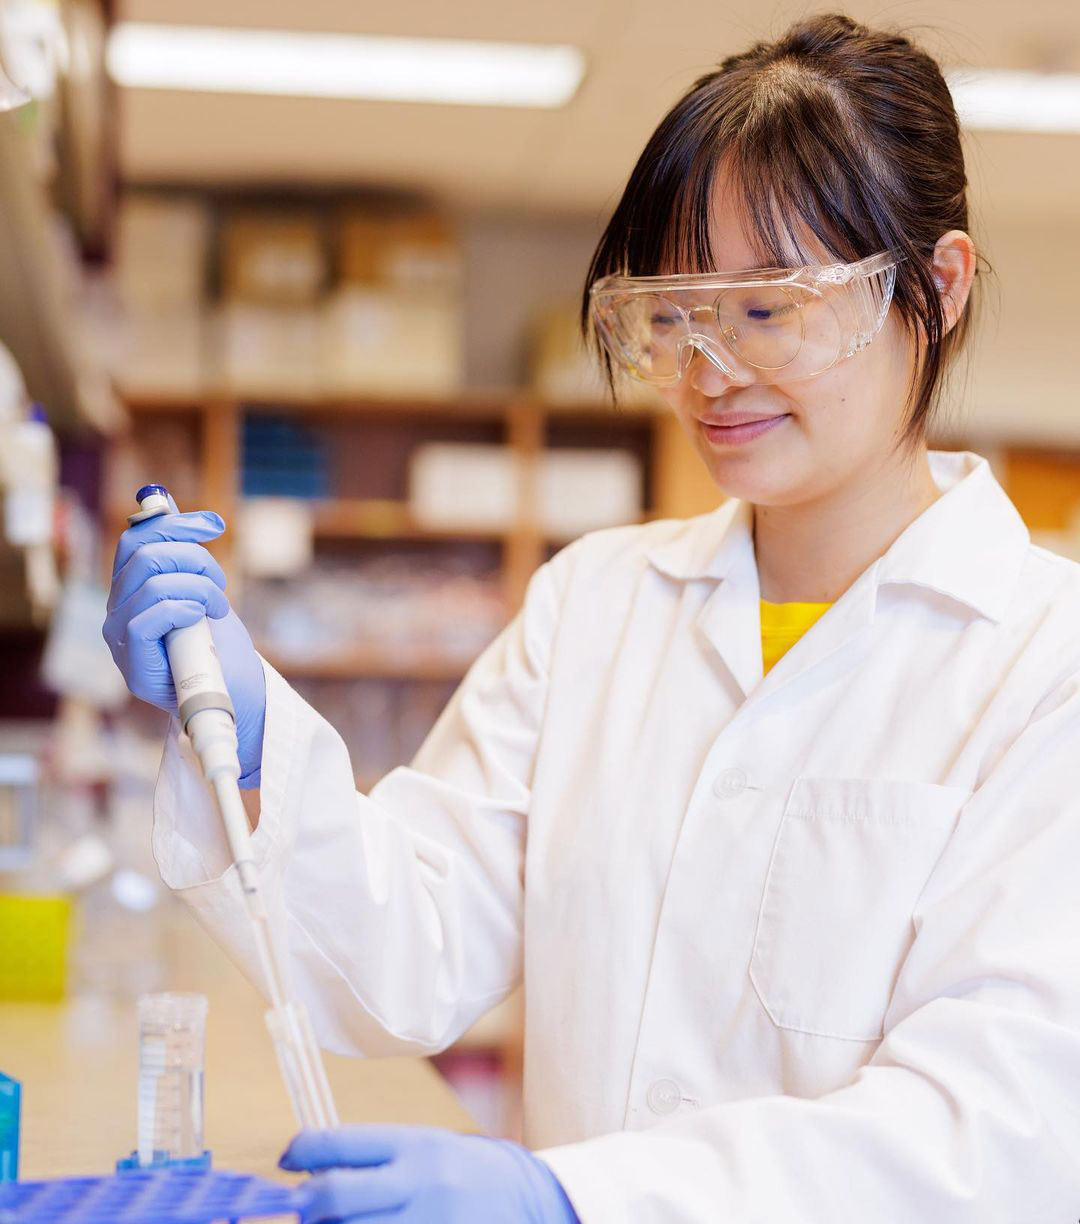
(162, 1160)
(165, 1196)
(10, 1102)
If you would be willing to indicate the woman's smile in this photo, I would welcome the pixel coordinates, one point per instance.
(745, 431)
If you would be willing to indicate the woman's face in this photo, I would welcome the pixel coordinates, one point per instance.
(825, 430)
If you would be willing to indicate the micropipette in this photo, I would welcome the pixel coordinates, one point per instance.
(206, 713)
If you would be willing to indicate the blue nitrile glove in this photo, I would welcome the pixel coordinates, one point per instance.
(422, 1175)
(164, 579)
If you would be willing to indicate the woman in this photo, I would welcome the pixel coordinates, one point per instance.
(799, 935)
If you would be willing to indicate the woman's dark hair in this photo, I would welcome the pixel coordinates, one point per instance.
(849, 130)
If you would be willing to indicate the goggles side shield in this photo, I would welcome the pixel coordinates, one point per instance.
(767, 325)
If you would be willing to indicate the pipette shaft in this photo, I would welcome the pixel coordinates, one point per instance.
(206, 714)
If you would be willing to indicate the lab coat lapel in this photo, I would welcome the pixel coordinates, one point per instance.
(730, 619)
(718, 549)
(836, 630)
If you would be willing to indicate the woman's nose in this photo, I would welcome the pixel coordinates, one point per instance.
(705, 375)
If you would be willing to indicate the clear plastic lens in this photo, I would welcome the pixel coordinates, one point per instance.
(646, 330)
(764, 326)
(756, 332)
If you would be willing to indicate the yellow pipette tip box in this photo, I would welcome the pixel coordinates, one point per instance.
(33, 946)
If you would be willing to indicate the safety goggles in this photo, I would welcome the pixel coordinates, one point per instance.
(763, 325)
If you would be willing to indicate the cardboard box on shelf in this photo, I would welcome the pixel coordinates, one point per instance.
(463, 485)
(161, 252)
(583, 490)
(275, 536)
(409, 250)
(272, 350)
(163, 449)
(479, 486)
(380, 339)
(162, 352)
(272, 259)
(563, 371)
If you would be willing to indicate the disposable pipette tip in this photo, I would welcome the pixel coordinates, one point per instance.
(301, 1066)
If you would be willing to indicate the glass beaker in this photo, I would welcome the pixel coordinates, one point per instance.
(172, 1029)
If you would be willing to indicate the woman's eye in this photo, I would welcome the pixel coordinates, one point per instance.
(767, 313)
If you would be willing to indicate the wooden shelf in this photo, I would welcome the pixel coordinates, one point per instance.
(471, 406)
(163, 402)
(364, 518)
(375, 519)
(372, 663)
(481, 405)
(378, 519)
(593, 410)
(477, 404)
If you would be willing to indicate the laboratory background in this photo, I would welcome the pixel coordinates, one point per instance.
(318, 268)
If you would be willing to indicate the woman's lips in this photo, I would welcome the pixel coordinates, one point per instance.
(746, 427)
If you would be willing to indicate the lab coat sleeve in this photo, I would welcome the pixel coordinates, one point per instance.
(403, 907)
(968, 1111)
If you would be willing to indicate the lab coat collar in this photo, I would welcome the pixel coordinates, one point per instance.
(969, 545)
(709, 545)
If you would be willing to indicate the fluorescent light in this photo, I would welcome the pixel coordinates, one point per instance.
(1017, 101)
(153, 56)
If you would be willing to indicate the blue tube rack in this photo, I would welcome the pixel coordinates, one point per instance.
(159, 1196)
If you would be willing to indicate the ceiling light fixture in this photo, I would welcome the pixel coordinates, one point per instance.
(296, 63)
(1008, 101)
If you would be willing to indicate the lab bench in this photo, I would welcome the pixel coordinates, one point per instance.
(78, 1059)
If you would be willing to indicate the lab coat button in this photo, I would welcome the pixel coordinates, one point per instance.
(664, 1096)
(730, 783)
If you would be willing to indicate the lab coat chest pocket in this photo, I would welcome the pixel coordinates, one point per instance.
(835, 920)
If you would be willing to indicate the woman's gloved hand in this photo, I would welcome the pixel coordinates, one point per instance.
(421, 1175)
(164, 579)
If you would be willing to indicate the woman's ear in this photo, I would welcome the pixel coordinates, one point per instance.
(953, 271)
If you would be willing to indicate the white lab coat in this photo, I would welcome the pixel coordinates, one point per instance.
(803, 948)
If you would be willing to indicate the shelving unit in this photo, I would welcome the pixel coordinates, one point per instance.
(524, 423)
(370, 511)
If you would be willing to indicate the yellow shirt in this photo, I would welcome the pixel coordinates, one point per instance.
(782, 624)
